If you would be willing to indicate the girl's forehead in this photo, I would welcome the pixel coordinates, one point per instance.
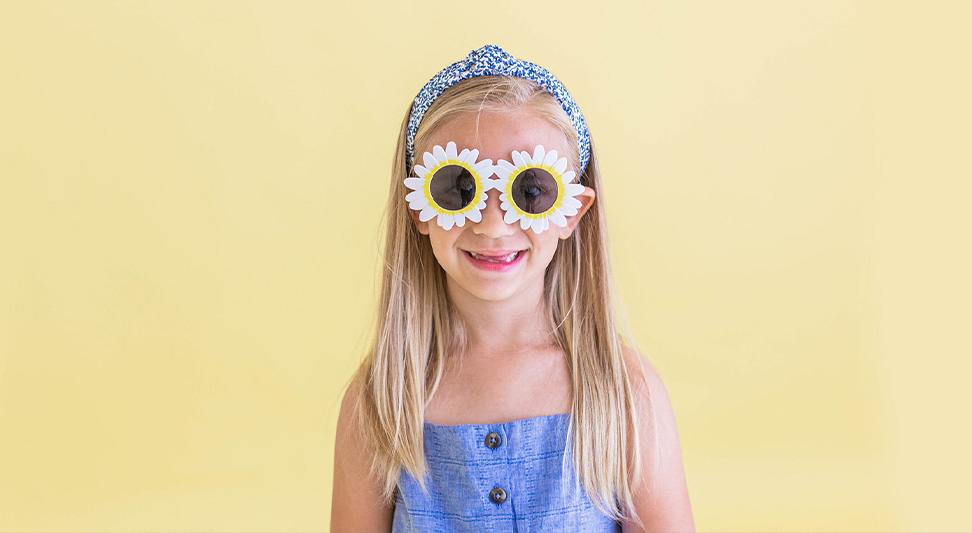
(498, 132)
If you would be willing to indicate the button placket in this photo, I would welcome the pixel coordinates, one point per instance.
(492, 441)
(496, 450)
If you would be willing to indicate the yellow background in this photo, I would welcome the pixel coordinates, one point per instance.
(190, 196)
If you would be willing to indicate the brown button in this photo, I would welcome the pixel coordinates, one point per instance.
(498, 495)
(493, 440)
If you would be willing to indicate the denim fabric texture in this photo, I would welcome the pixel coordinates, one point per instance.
(542, 491)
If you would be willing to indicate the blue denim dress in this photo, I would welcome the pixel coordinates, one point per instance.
(498, 477)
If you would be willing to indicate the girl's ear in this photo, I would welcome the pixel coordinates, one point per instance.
(586, 199)
(423, 227)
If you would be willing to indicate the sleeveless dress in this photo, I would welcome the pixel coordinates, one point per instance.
(498, 477)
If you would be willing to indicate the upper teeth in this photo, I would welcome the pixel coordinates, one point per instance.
(504, 259)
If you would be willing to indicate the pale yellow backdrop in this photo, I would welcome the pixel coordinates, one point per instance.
(190, 196)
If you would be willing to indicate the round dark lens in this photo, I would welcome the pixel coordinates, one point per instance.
(534, 190)
(453, 187)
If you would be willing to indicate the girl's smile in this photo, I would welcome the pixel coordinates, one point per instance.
(495, 260)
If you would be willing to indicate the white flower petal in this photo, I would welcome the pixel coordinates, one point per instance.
(416, 196)
(460, 220)
(573, 202)
(472, 156)
(568, 176)
(427, 214)
(414, 183)
(537, 225)
(538, 154)
(484, 168)
(518, 160)
(505, 166)
(561, 165)
(573, 189)
(429, 160)
(489, 184)
(446, 221)
(567, 210)
(550, 159)
(525, 223)
(475, 215)
(511, 216)
(451, 151)
(558, 219)
(439, 153)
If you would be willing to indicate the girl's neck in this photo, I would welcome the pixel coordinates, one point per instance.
(505, 327)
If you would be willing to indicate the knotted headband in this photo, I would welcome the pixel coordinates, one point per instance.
(491, 60)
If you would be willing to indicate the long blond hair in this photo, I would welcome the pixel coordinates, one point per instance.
(417, 327)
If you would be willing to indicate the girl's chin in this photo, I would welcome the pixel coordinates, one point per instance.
(494, 290)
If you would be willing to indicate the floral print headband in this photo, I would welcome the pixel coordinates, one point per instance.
(491, 60)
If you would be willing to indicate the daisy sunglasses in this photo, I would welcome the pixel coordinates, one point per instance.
(535, 190)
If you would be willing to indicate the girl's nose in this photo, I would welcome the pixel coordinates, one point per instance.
(492, 225)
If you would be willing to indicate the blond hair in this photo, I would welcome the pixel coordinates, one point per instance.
(417, 326)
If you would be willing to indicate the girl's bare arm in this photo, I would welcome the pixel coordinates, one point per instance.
(661, 496)
(356, 504)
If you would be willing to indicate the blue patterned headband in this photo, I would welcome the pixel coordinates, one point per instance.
(492, 60)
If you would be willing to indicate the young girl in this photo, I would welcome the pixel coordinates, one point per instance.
(498, 394)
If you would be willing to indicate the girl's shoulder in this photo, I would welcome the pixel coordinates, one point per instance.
(642, 373)
(649, 394)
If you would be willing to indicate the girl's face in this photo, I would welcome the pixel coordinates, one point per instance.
(496, 134)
